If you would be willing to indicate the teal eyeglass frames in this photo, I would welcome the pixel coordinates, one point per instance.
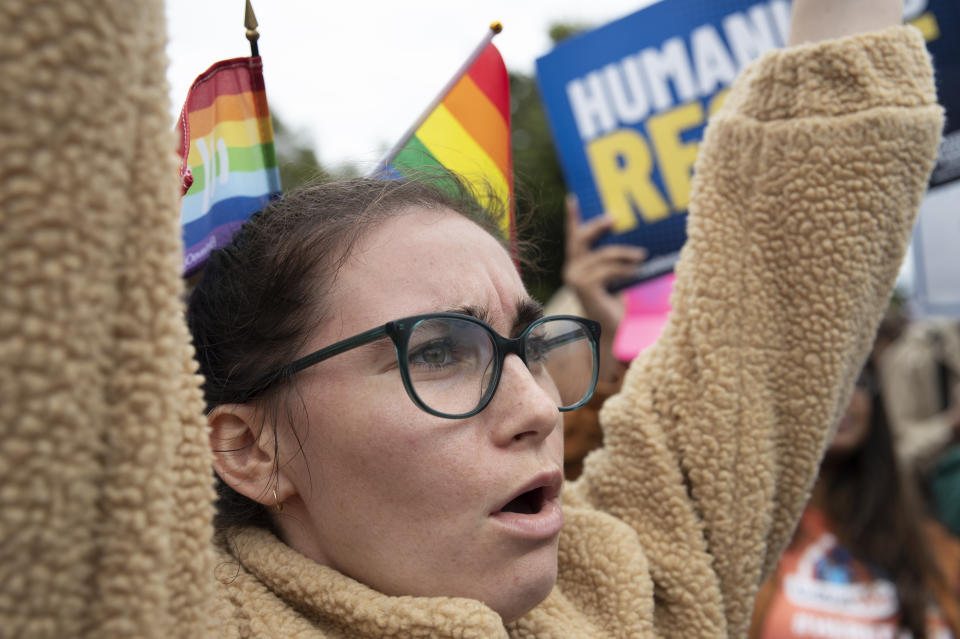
(451, 363)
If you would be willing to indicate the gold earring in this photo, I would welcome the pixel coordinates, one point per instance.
(276, 499)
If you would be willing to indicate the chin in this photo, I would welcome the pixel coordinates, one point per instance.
(527, 585)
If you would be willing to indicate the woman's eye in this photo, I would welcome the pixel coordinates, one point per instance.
(432, 354)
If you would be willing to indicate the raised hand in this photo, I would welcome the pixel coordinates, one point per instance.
(590, 271)
(815, 20)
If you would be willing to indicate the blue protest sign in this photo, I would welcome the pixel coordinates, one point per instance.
(628, 102)
(939, 20)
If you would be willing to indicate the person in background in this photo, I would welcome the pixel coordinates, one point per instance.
(920, 375)
(588, 274)
(863, 561)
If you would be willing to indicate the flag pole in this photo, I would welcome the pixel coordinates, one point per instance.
(495, 28)
(250, 22)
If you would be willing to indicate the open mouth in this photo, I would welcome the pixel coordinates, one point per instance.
(528, 503)
(534, 512)
(535, 496)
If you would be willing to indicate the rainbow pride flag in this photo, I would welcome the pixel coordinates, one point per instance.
(228, 165)
(466, 130)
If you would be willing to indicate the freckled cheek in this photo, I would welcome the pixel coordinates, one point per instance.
(353, 431)
(417, 464)
(384, 451)
(383, 441)
(439, 477)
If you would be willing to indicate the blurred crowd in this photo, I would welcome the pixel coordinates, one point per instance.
(876, 553)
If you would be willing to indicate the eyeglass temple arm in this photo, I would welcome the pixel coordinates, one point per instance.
(566, 338)
(315, 357)
(592, 326)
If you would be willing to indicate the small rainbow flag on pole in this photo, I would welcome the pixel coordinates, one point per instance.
(228, 165)
(466, 129)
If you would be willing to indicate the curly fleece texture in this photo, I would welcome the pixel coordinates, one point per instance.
(806, 188)
(105, 484)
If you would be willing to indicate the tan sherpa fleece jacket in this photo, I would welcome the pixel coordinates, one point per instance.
(806, 188)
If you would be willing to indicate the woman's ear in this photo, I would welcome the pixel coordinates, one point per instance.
(244, 453)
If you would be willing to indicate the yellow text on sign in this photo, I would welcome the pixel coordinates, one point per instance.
(623, 164)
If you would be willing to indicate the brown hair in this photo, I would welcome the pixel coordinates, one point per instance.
(260, 297)
(876, 513)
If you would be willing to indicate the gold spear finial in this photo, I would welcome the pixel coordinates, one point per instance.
(250, 22)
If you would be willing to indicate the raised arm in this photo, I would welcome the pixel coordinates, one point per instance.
(106, 500)
(806, 188)
(818, 20)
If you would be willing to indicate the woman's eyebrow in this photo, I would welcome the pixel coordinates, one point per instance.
(479, 312)
(528, 310)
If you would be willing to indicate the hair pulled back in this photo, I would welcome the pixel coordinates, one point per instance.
(260, 297)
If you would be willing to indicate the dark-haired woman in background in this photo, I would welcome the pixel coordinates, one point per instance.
(862, 563)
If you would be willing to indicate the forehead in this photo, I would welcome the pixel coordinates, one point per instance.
(423, 261)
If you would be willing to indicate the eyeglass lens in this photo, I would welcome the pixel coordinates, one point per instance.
(451, 362)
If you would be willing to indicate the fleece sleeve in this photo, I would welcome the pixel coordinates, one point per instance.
(105, 485)
(805, 192)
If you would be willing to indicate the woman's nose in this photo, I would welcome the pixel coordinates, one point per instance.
(523, 409)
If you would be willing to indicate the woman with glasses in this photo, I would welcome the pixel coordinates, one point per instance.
(384, 398)
(406, 432)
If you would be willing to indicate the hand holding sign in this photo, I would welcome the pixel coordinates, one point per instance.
(590, 273)
(628, 102)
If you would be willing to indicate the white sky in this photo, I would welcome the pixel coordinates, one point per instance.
(352, 76)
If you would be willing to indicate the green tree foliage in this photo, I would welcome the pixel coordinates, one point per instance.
(538, 180)
(296, 160)
(539, 188)
(560, 31)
